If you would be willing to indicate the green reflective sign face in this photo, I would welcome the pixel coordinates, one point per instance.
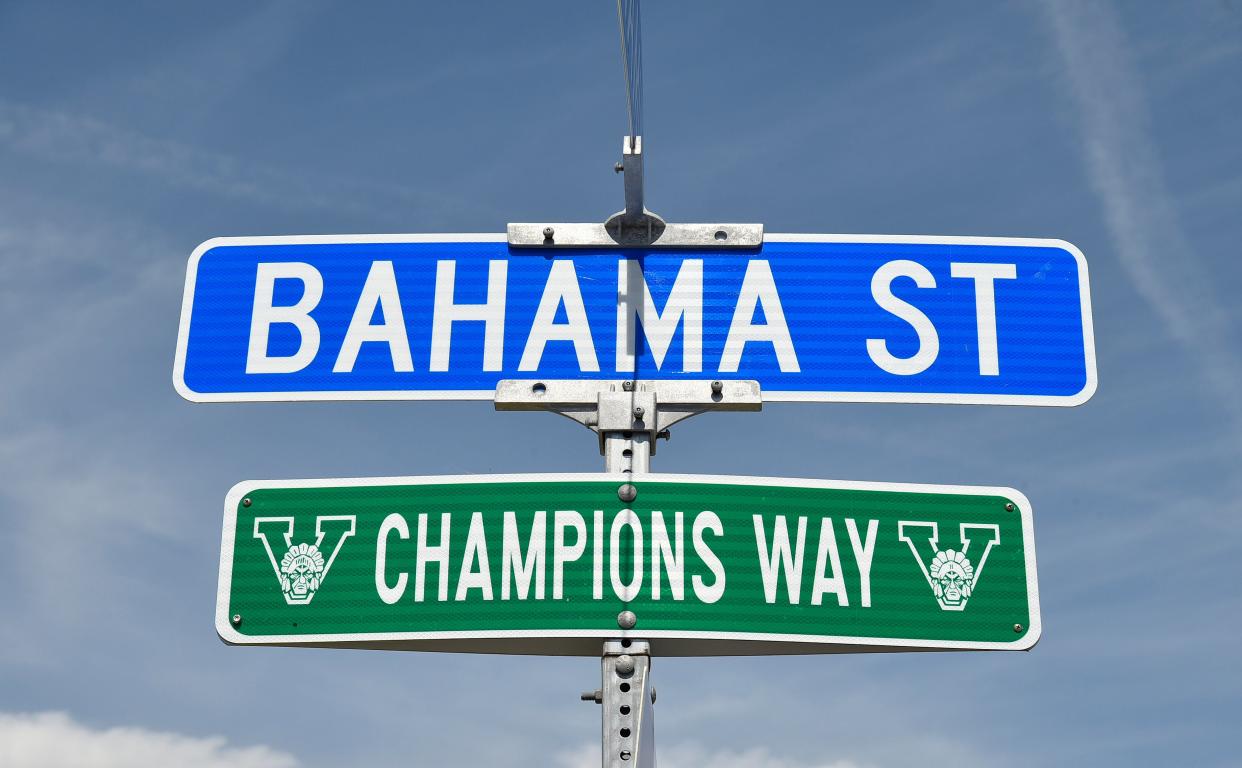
(545, 563)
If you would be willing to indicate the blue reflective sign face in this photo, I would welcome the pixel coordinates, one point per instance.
(819, 318)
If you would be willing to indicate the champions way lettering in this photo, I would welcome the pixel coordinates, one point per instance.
(658, 555)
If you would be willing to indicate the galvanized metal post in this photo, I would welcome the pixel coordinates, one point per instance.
(626, 695)
(628, 416)
(628, 705)
(628, 722)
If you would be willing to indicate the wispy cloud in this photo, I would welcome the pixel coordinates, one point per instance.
(80, 139)
(55, 740)
(77, 139)
(692, 755)
(72, 434)
(204, 72)
(1125, 170)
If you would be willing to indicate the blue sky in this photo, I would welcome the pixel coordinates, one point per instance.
(129, 134)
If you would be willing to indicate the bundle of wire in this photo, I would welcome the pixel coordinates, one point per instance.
(629, 14)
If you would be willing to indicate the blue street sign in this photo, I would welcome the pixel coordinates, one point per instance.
(811, 317)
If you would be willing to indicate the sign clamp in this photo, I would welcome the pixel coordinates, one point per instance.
(635, 227)
(627, 415)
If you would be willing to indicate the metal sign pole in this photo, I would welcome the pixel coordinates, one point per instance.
(629, 416)
(628, 700)
(627, 735)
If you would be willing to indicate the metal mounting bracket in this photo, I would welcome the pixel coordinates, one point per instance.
(635, 227)
(631, 167)
(627, 415)
(628, 701)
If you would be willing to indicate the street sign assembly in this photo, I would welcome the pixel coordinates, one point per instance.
(809, 317)
(628, 327)
(547, 563)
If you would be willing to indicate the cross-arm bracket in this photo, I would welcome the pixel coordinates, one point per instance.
(627, 414)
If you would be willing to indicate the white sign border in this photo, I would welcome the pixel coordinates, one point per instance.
(1078, 398)
(723, 641)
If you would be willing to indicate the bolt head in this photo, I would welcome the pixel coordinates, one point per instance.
(548, 232)
(1009, 506)
(627, 386)
(1017, 628)
(236, 619)
(246, 502)
(627, 493)
(618, 167)
(625, 754)
(625, 665)
(639, 412)
(626, 619)
(717, 387)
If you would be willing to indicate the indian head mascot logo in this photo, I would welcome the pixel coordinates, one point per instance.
(952, 577)
(949, 572)
(302, 568)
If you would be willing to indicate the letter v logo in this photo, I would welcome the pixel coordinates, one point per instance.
(302, 568)
(949, 572)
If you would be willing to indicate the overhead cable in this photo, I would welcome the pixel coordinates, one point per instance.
(629, 16)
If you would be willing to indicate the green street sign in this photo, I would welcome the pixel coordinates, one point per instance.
(544, 564)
